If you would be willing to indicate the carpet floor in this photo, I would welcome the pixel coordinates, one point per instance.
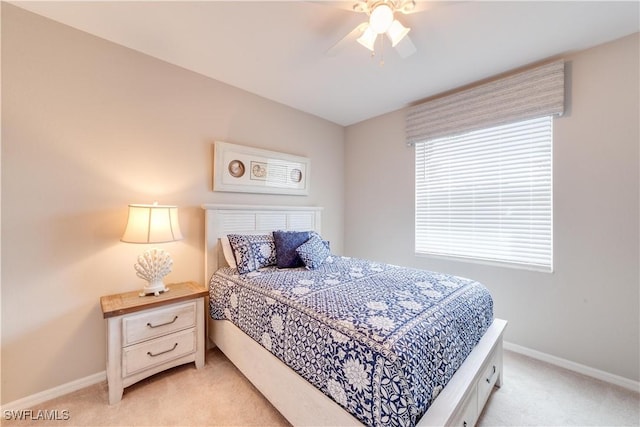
(533, 394)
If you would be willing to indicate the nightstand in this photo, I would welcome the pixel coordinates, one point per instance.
(146, 335)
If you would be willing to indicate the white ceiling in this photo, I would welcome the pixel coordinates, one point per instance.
(278, 49)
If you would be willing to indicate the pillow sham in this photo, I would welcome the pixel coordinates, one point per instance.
(286, 244)
(252, 251)
(228, 252)
(314, 252)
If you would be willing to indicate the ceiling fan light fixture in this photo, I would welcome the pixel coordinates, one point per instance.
(381, 18)
(368, 38)
(396, 32)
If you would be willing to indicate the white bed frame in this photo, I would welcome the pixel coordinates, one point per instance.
(459, 403)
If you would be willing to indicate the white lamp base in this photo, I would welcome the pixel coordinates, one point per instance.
(155, 289)
(152, 266)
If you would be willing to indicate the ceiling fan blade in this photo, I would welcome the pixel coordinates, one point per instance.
(347, 40)
(405, 47)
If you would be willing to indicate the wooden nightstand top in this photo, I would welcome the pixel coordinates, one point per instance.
(130, 302)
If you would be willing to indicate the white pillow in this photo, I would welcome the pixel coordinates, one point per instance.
(228, 252)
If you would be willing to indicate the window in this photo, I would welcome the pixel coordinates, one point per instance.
(483, 169)
(487, 195)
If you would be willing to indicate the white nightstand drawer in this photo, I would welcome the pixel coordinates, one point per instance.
(148, 354)
(144, 326)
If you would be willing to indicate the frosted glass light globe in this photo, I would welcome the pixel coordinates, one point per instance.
(381, 18)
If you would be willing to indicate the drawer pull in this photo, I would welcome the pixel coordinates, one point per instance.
(163, 324)
(492, 374)
(162, 352)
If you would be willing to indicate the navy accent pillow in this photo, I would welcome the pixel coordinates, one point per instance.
(252, 251)
(286, 244)
(313, 252)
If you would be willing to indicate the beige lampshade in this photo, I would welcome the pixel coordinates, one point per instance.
(152, 224)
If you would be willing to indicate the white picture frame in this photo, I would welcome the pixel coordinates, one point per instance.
(239, 168)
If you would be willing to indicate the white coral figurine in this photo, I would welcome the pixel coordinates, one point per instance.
(152, 266)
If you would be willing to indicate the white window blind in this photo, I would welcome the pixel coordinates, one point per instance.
(487, 195)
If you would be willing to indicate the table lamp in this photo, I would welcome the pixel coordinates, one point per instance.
(152, 224)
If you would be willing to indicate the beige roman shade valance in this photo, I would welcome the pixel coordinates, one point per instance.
(529, 94)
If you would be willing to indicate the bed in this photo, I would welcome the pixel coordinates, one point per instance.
(391, 392)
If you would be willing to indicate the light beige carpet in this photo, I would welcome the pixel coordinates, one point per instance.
(534, 394)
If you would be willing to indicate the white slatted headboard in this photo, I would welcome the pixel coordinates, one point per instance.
(221, 220)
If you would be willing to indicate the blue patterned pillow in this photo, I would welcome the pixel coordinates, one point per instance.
(252, 251)
(286, 244)
(314, 252)
(326, 242)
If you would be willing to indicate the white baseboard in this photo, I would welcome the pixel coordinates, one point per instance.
(52, 393)
(575, 367)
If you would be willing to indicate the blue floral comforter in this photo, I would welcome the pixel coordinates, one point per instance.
(380, 340)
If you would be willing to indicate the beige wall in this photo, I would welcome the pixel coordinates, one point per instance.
(87, 128)
(587, 311)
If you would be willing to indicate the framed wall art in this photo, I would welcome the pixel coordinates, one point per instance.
(238, 168)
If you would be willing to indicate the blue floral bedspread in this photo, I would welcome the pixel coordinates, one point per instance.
(380, 340)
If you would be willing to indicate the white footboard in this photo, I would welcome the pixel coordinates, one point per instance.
(461, 402)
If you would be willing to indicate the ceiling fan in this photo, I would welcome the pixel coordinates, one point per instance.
(382, 22)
